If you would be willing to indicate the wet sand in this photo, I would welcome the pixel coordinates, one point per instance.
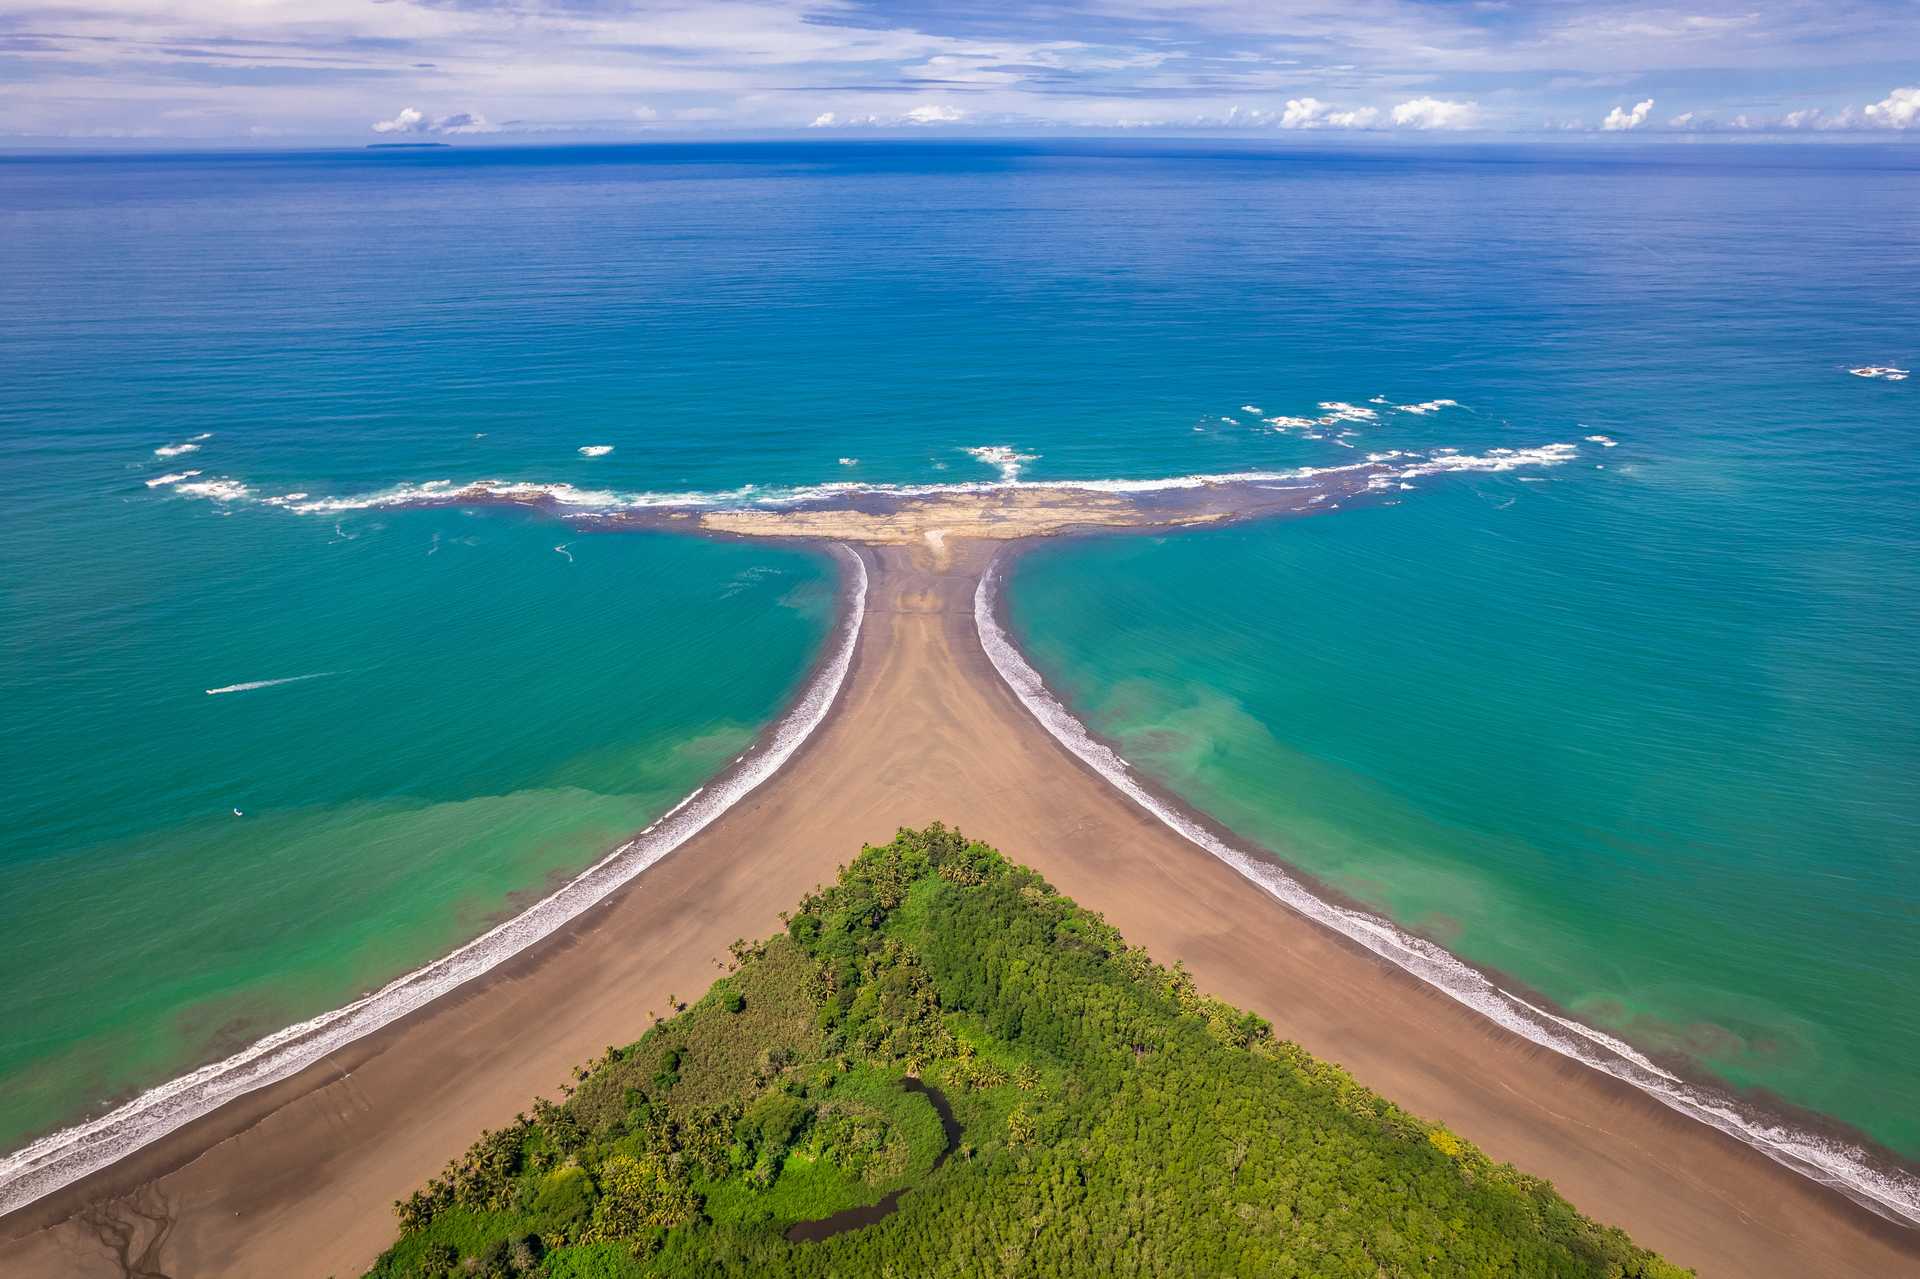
(297, 1179)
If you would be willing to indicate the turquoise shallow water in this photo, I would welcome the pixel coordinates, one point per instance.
(1639, 734)
(482, 715)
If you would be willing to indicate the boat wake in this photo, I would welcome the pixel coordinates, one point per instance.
(250, 685)
(64, 1157)
(1891, 1192)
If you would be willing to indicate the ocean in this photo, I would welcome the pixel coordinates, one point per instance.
(1635, 731)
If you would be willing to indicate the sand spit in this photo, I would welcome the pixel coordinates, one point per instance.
(923, 728)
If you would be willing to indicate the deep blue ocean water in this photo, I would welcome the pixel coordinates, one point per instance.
(1637, 730)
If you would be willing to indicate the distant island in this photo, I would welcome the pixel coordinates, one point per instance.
(943, 1065)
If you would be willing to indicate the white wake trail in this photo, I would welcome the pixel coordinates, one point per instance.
(250, 685)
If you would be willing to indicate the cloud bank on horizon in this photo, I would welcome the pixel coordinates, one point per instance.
(494, 70)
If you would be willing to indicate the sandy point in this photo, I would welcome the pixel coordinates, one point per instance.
(298, 1178)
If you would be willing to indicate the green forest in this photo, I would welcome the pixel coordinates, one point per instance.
(943, 1067)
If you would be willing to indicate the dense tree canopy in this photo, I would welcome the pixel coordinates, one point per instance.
(1106, 1119)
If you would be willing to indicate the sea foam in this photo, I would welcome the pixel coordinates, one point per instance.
(1004, 458)
(220, 490)
(579, 502)
(1846, 1168)
(65, 1156)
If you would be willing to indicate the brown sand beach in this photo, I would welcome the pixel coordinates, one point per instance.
(297, 1179)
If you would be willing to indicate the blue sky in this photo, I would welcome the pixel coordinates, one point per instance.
(490, 71)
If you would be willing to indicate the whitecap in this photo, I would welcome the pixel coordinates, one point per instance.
(1884, 372)
(173, 478)
(1005, 458)
(1341, 411)
(1445, 460)
(175, 450)
(1250, 408)
(1604, 441)
(580, 503)
(1427, 406)
(849, 461)
(595, 450)
(220, 490)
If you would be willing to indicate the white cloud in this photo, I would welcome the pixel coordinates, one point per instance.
(1302, 113)
(1361, 118)
(410, 120)
(464, 122)
(1682, 121)
(1435, 113)
(413, 120)
(1310, 113)
(645, 113)
(1898, 110)
(1619, 121)
(926, 113)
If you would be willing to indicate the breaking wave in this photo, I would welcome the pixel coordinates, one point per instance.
(1391, 468)
(1893, 1193)
(65, 1156)
(1005, 459)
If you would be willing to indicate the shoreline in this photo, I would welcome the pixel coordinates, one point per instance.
(1852, 1163)
(73, 1152)
(1011, 785)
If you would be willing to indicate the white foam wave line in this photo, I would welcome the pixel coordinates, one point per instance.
(1840, 1165)
(250, 685)
(605, 502)
(65, 1156)
(1600, 1037)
